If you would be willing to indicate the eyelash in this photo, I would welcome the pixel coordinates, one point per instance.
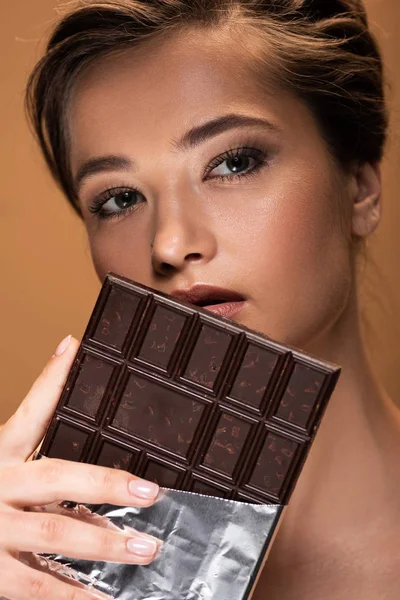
(260, 155)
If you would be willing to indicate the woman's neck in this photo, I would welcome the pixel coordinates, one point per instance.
(349, 482)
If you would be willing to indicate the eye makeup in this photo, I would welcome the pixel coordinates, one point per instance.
(234, 157)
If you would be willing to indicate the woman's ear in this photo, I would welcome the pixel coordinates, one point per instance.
(366, 198)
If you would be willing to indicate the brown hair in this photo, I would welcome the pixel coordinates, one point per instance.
(322, 51)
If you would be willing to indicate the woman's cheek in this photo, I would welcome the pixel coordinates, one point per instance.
(116, 249)
(299, 269)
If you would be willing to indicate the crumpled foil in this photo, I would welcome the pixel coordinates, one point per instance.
(212, 549)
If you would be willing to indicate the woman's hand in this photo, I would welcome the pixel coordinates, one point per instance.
(25, 484)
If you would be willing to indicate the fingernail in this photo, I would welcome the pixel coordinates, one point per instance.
(62, 346)
(143, 489)
(142, 547)
(140, 534)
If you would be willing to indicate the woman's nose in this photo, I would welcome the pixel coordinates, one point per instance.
(181, 239)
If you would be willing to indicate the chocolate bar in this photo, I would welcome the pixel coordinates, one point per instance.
(178, 395)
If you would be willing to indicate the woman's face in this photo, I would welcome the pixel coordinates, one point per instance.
(254, 207)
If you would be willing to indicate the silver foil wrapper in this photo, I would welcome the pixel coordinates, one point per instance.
(213, 549)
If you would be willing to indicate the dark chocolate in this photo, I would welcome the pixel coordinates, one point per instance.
(193, 401)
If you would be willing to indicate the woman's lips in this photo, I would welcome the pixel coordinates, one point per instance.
(226, 309)
(220, 301)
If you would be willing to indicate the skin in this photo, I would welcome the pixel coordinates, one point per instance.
(282, 238)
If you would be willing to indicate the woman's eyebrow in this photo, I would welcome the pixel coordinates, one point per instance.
(190, 139)
(100, 164)
(199, 134)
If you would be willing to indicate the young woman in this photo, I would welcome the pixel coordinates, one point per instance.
(237, 144)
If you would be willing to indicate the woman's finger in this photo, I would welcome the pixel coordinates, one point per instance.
(20, 582)
(21, 435)
(49, 480)
(54, 534)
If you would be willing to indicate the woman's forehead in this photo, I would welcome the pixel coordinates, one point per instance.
(158, 91)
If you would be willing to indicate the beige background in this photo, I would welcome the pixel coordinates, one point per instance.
(48, 286)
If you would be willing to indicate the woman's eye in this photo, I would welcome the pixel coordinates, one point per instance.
(114, 202)
(235, 164)
(121, 201)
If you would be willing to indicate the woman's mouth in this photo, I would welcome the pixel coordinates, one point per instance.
(225, 309)
(220, 301)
